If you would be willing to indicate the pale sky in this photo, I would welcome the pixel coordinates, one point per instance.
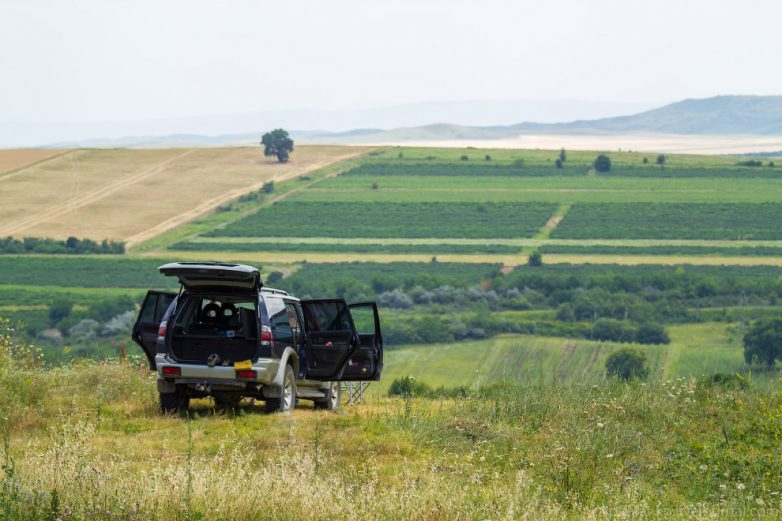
(79, 61)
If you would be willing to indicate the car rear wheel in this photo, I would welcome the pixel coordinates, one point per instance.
(332, 400)
(174, 403)
(287, 401)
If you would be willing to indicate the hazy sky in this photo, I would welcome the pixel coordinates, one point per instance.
(101, 60)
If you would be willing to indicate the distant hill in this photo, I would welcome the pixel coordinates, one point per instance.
(759, 115)
(720, 115)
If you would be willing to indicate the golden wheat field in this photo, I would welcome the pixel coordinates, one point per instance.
(131, 195)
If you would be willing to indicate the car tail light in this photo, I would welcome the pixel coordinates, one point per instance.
(244, 373)
(171, 370)
(161, 331)
(267, 337)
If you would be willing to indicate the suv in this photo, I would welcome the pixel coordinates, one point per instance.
(225, 335)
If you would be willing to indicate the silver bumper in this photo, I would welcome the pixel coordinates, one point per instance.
(265, 368)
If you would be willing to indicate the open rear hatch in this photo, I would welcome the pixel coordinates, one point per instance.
(204, 274)
(216, 321)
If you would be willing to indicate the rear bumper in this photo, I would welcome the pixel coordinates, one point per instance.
(265, 369)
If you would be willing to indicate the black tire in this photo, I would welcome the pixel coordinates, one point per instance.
(288, 399)
(333, 398)
(174, 403)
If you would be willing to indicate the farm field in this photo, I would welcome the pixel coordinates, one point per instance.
(473, 205)
(14, 159)
(133, 195)
(695, 350)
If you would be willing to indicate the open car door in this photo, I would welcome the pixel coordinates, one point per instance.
(148, 322)
(367, 362)
(331, 338)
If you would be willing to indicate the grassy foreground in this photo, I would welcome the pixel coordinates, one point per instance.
(87, 442)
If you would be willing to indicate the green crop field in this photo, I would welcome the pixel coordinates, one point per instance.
(437, 219)
(441, 197)
(672, 221)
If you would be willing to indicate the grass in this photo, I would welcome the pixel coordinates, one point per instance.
(696, 350)
(87, 442)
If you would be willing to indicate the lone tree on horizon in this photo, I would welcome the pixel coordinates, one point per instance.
(602, 163)
(277, 143)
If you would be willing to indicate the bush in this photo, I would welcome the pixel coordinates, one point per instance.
(725, 380)
(408, 386)
(602, 163)
(59, 309)
(763, 342)
(465, 158)
(375, 186)
(274, 277)
(268, 187)
(487, 157)
(614, 330)
(652, 334)
(627, 364)
(559, 163)
(750, 162)
(535, 259)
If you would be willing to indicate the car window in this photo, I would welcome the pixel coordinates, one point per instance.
(148, 309)
(278, 316)
(364, 319)
(327, 316)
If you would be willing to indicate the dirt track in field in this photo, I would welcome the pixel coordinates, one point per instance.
(135, 194)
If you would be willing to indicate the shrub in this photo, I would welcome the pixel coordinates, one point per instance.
(645, 160)
(763, 342)
(558, 163)
(750, 162)
(375, 185)
(268, 187)
(535, 259)
(465, 158)
(59, 309)
(725, 380)
(487, 157)
(274, 277)
(627, 364)
(602, 163)
(652, 334)
(408, 386)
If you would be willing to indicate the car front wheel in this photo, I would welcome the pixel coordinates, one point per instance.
(332, 399)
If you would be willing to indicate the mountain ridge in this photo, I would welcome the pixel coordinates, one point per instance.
(719, 115)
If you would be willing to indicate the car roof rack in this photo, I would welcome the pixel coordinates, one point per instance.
(275, 291)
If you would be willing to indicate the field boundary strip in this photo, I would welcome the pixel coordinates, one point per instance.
(88, 197)
(225, 197)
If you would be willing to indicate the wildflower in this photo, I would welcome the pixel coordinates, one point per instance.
(704, 468)
(760, 502)
(741, 486)
(600, 425)
(723, 486)
(609, 456)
